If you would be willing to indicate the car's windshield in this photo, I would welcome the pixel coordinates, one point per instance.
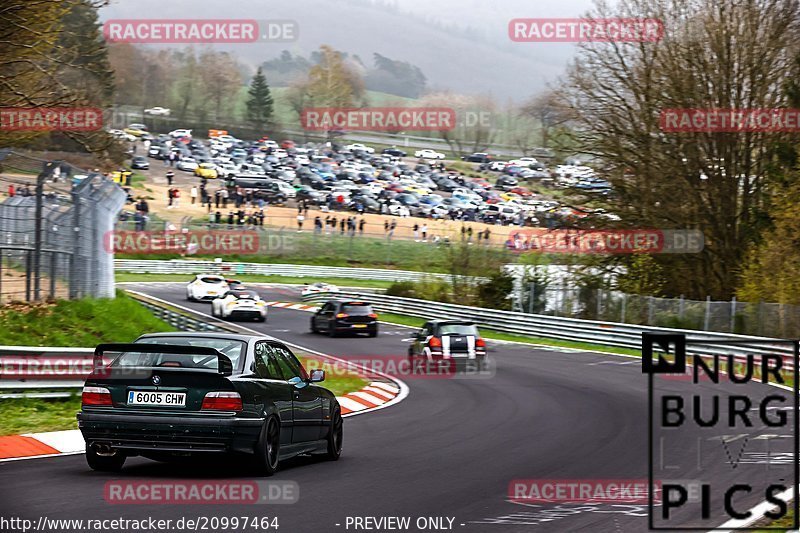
(233, 348)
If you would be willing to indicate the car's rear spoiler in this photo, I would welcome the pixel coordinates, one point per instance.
(224, 364)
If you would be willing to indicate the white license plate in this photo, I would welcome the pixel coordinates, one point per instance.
(176, 399)
(359, 325)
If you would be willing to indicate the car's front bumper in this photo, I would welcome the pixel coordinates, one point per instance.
(150, 432)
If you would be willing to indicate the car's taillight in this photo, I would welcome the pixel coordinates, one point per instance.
(222, 401)
(480, 343)
(372, 315)
(96, 396)
(435, 342)
(342, 315)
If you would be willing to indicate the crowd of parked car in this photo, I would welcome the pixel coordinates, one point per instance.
(354, 177)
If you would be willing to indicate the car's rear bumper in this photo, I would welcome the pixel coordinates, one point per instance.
(246, 313)
(357, 328)
(170, 433)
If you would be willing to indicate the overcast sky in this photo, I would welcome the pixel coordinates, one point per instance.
(488, 63)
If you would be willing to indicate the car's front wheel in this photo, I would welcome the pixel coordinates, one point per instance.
(104, 463)
(335, 437)
(268, 447)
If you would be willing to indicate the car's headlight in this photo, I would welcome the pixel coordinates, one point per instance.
(261, 304)
(231, 304)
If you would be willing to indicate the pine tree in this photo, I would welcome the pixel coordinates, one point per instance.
(259, 103)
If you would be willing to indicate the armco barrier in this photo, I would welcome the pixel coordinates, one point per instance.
(180, 266)
(570, 329)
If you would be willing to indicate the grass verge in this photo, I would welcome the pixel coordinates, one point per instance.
(77, 323)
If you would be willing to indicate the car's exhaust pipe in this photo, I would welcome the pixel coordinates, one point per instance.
(104, 450)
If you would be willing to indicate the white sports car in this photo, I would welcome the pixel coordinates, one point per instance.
(428, 154)
(206, 287)
(318, 287)
(239, 304)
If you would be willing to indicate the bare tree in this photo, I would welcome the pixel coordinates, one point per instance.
(729, 54)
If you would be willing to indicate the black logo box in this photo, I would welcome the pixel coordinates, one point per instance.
(675, 344)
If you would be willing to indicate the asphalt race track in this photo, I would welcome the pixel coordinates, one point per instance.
(450, 449)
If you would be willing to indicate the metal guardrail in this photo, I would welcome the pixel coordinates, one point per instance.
(569, 329)
(180, 266)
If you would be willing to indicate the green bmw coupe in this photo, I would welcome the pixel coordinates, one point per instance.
(172, 394)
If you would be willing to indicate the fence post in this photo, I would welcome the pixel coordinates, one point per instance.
(622, 311)
(53, 258)
(707, 319)
(650, 310)
(531, 296)
(681, 307)
(598, 296)
(733, 313)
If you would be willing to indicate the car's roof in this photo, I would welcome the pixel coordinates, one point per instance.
(201, 335)
(443, 321)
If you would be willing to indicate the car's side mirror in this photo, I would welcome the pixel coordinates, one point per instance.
(317, 375)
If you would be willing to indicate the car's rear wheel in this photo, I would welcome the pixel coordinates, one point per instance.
(335, 437)
(314, 327)
(373, 333)
(104, 463)
(268, 447)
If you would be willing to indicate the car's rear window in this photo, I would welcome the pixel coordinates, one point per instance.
(458, 329)
(246, 295)
(234, 349)
(357, 309)
(211, 279)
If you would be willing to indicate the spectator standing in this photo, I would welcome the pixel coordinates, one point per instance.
(361, 224)
(416, 232)
(317, 225)
(11, 190)
(170, 198)
(170, 177)
(177, 196)
(424, 230)
(193, 194)
(300, 219)
(224, 195)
